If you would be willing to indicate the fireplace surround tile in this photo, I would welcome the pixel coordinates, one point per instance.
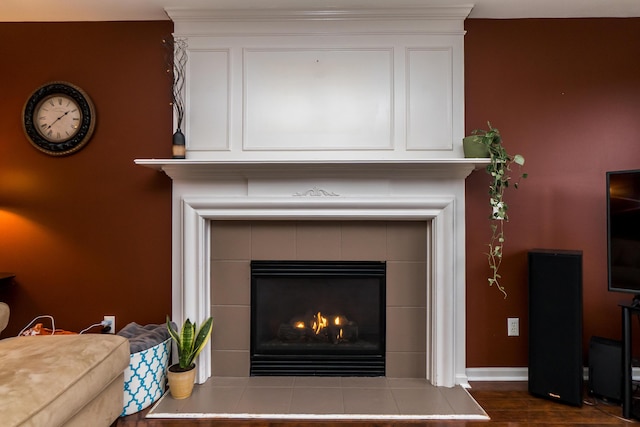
(364, 241)
(233, 273)
(406, 293)
(273, 240)
(406, 364)
(319, 242)
(405, 328)
(406, 241)
(230, 363)
(231, 242)
(231, 326)
(401, 284)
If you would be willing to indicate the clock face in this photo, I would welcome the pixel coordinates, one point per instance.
(59, 118)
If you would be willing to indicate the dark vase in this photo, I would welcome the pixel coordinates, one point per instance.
(179, 149)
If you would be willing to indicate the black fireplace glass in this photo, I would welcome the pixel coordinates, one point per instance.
(323, 318)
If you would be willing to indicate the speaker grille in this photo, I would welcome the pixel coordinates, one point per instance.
(555, 325)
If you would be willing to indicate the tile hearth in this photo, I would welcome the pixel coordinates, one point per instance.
(323, 398)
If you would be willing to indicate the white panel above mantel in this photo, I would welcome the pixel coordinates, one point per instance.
(350, 83)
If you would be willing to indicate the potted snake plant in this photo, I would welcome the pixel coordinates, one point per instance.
(488, 143)
(190, 341)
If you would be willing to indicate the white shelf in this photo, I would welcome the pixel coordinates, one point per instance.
(434, 168)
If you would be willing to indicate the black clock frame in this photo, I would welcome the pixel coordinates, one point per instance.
(86, 127)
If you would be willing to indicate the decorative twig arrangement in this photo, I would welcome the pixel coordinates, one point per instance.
(176, 70)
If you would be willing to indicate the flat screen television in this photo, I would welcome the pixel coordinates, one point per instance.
(623, 231)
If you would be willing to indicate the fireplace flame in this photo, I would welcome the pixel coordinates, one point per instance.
(319, 323)
(318, 327)
(300, 325)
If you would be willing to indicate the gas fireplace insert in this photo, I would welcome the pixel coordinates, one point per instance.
(324, 318)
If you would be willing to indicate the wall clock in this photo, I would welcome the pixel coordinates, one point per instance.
(59, 118)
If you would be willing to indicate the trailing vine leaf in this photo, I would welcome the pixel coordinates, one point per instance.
(500, 171)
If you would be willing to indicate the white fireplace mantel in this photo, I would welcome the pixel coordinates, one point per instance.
(431, 191)
(218, 169)
(351, 114)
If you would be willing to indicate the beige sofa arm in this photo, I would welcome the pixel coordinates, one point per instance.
(4, 315)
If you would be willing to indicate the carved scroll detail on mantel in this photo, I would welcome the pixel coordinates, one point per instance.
(316, 192)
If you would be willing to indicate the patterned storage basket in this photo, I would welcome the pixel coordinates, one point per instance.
(144, 379)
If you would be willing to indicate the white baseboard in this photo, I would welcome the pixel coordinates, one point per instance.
(498, 374)
(517, 374)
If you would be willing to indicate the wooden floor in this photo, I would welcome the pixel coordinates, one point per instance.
(509, 404)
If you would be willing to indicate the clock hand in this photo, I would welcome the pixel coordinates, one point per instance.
(59, 118)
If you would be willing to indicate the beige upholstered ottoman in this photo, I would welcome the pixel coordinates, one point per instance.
(74, 380)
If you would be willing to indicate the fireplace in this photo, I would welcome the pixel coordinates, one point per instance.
(336, 114)
(205, 193)
(324, 318)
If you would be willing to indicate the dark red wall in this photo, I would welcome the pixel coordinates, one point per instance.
(88, 234)
(566, 95)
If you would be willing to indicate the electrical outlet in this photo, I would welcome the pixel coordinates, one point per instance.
(513, 327)
(112, 323)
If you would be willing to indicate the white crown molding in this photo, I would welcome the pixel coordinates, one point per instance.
(291, 19)
(324, 14)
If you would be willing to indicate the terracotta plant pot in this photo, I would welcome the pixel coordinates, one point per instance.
(474, 148)
(181, 382)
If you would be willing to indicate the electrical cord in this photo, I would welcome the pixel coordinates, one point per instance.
(104, 324)
(597, 403)
(53, 324)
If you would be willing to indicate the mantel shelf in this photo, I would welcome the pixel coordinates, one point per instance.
(224, 169)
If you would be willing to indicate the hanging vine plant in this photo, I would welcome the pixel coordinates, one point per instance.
(501, 177)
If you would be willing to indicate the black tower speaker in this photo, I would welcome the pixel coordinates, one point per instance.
(555, 325)
(605, 368)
